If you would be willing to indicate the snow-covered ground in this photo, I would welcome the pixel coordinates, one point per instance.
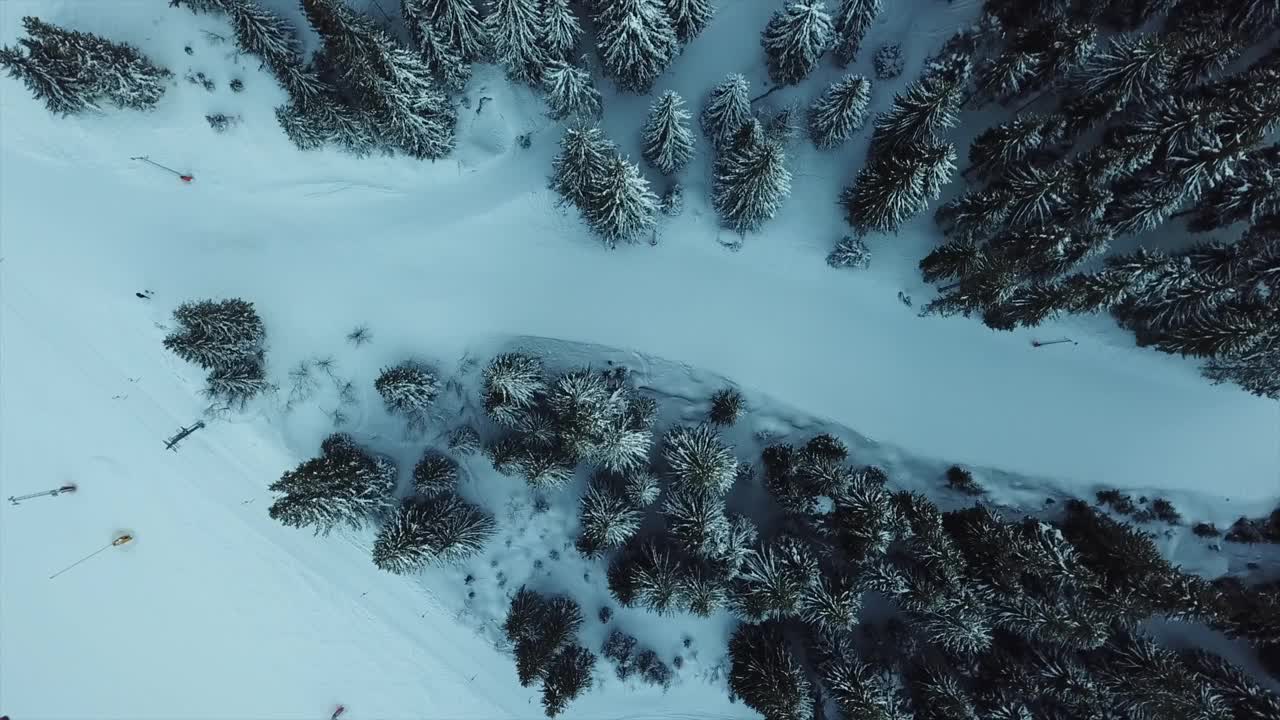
(216, 611)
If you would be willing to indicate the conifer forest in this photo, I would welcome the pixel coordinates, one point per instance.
(484, 308)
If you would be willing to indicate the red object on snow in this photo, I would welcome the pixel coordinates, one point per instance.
(186, 178)
(337, 713)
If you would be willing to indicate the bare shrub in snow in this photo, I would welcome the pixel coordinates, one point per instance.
(344, 486)
(696, 457)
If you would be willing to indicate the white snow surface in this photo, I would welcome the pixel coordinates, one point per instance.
(218, 612)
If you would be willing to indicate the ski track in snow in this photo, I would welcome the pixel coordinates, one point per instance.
(465, 254)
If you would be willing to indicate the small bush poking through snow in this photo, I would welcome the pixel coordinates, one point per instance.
(435, 474)
(1163, 510)
(672, 202)
(726, 407)
(961, 480)
(888, 61)
(1117, 501)
(850, 252)
(696, 457)
(1207, 530)
(652, 670)
(619, 647)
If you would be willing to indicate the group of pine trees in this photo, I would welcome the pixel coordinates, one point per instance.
(73, 72)
(1167, 116)
(552, 424)
(543, 632)
(611, 193)
(225, 337)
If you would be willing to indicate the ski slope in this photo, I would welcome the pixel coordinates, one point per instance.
(216, 611)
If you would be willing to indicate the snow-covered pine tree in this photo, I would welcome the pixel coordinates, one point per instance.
(766, 675)
(898, 185)
(571, 93)
(726, 407)
(441, 58)
(636, 41)
(579, 168)
(795, 39)
(439, 529)
(608, 518)
(728, 108)
(773, 580)
(751, 182)
(689, 17)
(511, 384)
(75, 71)
(1133, 70)
(831, 602)
(864, 521)
(861, 691)
(567, 677)
(666, 138)
(379, 78)
(696, 520)
(216, 333)
(515, 29)
(459, 23)
(672, 201)
(344, 486)
(641, 488)
(927, 106)
(702, 588)
(851, 23)
(408, 389)
(561, 30)
(1251, 193)
(539, 627)
(621, 206)
(648, 574)
(320, 118)
(697, 458)
(840, 111)
(237, 382)
(435, 474)
(268, 36)
(999, 148)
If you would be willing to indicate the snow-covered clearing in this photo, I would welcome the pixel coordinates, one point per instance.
(216, 611)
